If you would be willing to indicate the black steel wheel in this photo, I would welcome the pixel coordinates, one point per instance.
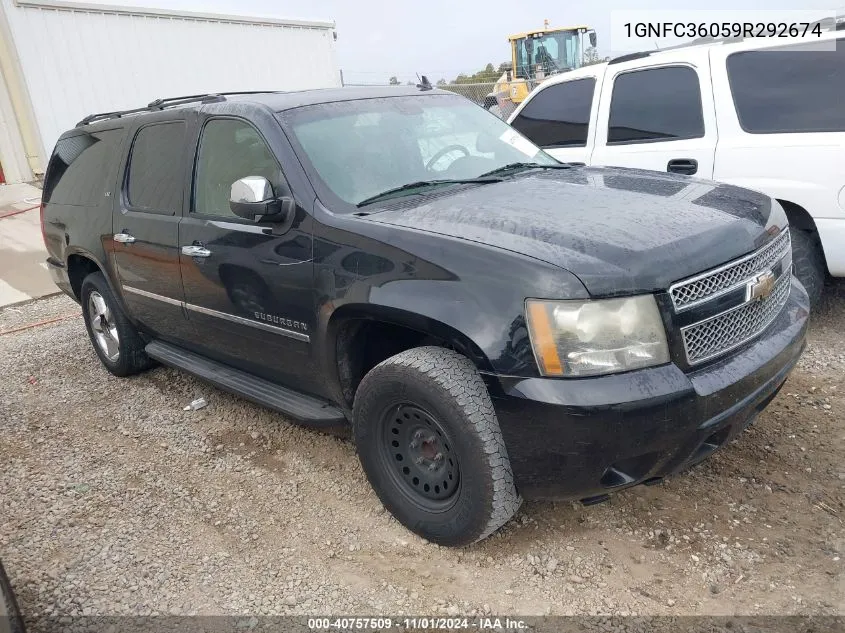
(431, 447)
(421, 457)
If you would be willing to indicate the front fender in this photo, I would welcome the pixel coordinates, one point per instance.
(470, 295)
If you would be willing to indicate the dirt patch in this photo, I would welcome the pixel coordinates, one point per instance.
(116, 501)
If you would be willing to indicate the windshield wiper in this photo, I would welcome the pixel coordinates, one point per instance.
(420, 184)
(522, 166)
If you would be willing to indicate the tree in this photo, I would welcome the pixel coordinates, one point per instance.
(441, 82)
(488, 75)
(393, 81)
(591, 56)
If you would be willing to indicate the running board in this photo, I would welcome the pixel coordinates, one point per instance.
(308, 409)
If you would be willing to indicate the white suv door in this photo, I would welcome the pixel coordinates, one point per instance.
(658, 114)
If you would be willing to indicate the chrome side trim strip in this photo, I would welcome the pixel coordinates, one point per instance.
(299, 336)
(152, 295)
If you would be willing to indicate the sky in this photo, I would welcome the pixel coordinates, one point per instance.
(441, 38)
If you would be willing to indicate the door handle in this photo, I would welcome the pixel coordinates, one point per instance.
(687, 166)
(123, 238)
(195, 250)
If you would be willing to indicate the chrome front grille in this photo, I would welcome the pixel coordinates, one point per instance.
(691, 292)
(723, 332)
(752, 302)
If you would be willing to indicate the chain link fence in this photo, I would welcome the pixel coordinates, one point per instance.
(482, 93)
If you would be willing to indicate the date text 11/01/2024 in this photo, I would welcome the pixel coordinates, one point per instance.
(722, 29)
(420, 623)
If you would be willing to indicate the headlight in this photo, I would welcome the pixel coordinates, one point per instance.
(586, 338)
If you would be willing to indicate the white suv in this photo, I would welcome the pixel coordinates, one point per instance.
(756, 114)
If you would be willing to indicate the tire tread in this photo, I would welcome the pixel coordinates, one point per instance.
(457, 376)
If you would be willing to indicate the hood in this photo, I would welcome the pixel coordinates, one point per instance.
(620, 231)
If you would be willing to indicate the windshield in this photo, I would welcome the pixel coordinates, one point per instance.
(551, 52)
(359, 149)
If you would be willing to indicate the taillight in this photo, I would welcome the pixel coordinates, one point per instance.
(43, 232)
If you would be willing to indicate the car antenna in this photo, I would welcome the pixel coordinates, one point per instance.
(424, 84)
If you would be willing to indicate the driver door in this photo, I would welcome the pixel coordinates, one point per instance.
(248, 285)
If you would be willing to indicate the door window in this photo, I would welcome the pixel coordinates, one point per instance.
(230, 149)
(558, 116)
(789, 90)
(656, 104)
(155, 168)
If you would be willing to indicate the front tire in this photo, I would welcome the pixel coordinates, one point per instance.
(115, 339)
(809, 263)
(431, 447)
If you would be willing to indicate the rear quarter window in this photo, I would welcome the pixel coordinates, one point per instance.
(81, 169)
(788, 89)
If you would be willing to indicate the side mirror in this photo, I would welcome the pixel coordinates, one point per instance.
(253, 197)
(593, 39)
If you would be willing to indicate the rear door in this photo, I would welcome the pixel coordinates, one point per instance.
(146, 226)
(250, 292)
(557, 118)
(658, 115)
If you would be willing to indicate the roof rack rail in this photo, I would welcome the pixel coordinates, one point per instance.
(161, 104)
(158, 104)
(630, 56)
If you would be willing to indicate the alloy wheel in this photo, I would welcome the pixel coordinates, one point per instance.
(103, 326)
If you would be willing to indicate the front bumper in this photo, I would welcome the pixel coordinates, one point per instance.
(582, 438)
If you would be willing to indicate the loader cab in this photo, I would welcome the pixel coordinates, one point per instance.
(547, 52)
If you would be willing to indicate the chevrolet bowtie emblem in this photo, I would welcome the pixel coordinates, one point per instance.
(761, 287)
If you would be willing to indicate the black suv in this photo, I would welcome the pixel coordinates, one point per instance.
(493, 323)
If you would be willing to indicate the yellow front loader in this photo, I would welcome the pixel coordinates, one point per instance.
(535, 56)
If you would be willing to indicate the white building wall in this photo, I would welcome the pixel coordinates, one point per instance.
(79, 58)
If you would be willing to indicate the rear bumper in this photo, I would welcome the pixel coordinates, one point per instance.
(574, 439)
(58, 273)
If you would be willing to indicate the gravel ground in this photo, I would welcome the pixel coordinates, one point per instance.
(116, 501)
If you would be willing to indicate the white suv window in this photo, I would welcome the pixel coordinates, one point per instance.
(788, 89)
(559, 115)
(656, 104)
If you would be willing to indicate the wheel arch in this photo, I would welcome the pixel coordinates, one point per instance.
(801, 219)
(79, 265)
(359, 336)
(798, 216)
